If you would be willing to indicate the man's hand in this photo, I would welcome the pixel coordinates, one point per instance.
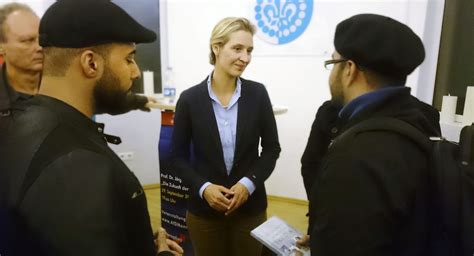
(163, 243)
(241, 194)
(174, 247)
(303, 242)
(151, 103)
(215, 196)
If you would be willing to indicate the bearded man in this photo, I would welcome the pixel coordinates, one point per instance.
(68, 192)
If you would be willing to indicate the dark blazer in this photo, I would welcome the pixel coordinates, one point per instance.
(195, 124)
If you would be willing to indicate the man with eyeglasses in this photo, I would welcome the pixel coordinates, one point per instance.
(368, 194)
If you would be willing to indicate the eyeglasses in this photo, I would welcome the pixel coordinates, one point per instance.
(328, 64)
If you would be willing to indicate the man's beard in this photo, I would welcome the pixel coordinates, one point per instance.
(337, 95)
(109, 97)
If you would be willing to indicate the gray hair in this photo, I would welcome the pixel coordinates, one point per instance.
(6, 10)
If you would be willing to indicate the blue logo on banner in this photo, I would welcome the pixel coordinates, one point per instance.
(282, 21)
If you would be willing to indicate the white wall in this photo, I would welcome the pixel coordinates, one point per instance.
(431, 38)
(294, 74)
(140, 132)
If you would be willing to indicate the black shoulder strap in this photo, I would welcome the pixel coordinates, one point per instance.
(451, 178)
(393, 125)
(466, 145)
(50, 150)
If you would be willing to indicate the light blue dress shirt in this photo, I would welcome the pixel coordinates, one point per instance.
(226, 118)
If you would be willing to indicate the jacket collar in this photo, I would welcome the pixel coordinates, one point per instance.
(5, 91)
(74, 118)
(366, 100)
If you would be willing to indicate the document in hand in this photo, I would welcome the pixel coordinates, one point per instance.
(279, 237)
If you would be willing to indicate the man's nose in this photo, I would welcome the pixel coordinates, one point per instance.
(136, 74)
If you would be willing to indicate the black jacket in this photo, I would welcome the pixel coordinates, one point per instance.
(5, 101)
(323, 131)
(326, 126)
(195, 124)
(370, 195)
(7, 95)
(68, 190)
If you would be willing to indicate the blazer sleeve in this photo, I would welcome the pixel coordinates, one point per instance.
(263, 167)
(181, 145)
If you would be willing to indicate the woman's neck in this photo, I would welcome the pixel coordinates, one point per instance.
(222, 83)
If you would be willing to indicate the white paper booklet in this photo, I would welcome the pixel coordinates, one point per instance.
(280, 237)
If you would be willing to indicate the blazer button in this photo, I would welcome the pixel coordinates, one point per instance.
(334, 130)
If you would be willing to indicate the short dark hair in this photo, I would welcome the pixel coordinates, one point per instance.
(6, 10)
(57, 60)
(376, 79)
(379, 80)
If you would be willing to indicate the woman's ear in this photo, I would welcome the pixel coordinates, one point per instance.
(215, 49)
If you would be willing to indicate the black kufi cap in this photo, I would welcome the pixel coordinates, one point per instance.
(84, 23)
(379, 43)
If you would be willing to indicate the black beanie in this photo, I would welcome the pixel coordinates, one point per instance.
(379, 43)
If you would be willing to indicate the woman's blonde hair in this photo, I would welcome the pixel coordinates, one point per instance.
(223, 29)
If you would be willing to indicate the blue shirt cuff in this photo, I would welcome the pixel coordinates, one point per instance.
(201, 190)
(248, 184)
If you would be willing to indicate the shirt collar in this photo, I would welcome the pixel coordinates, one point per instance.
(5, 95)
(12, 93)
(235, 96)
(362, 102)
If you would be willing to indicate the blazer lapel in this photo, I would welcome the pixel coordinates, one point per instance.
(210, 118)
(242, 116)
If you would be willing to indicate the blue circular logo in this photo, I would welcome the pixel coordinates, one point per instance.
(282, 21)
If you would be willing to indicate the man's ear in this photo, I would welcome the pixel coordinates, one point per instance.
(91, 64)
(2, 50)
(351, 71)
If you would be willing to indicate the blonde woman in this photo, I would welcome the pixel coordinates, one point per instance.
(221, 122)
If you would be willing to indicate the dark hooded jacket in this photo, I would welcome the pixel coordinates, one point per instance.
(326, 126)
(369, 195)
